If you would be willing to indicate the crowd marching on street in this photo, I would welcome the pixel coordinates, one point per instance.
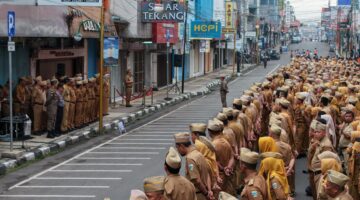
(309, 108)
(58, 105)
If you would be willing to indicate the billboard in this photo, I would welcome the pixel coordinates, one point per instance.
(97, 3)
(111, 52)
(205, 30)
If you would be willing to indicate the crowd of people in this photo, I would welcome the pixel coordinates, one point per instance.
(309, 108)
(58, 105)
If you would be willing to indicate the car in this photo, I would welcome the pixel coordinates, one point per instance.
(296, 39)
(332, 48)
(274, 55)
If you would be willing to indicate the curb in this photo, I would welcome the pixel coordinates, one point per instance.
(41, 152)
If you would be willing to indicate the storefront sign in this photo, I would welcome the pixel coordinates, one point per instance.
(205, 29)
(168, 11)
(64, 53)
(97, 3)
(228, 15)
(111, 52)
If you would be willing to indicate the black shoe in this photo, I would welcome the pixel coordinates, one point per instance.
(129, 106)
(308, 191)
(50, 136)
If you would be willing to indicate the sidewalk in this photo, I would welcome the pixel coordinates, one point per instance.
(40, 146)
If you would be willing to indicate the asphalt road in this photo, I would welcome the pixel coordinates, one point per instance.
(111, 166)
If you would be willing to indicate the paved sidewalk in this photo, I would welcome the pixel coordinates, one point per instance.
(40, 146)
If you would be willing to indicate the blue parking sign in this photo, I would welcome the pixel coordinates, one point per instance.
(11, 23)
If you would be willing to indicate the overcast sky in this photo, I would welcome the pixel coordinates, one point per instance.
(309, 10)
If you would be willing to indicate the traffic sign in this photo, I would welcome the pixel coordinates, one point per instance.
(11, 23)
(11, 46)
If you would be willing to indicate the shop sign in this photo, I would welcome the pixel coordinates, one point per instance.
(97, 3)
(168, 11)
(228, 18)
(111, 52)
(92, 26)
(205, 30)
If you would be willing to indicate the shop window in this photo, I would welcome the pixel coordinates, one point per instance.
(49, 43)
(139, 70)
(60, 69)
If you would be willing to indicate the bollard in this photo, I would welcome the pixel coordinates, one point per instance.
(144, 95)
(114, 100)
(152, 95)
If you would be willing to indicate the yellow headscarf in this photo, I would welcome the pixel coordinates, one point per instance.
(274, 168)
(330, 164)
(267, 144)
(209, 156)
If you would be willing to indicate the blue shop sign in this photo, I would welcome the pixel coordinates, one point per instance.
(205, 30)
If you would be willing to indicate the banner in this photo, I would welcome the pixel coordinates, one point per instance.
(111, 52)
(97, 3)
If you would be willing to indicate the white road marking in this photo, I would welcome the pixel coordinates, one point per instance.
(74, 178)
(112, 158)
(48, 196)
(90, 170)
(104, 164)
(138, 143)
(150, 135)
(135, 139)
(273, 70)
(64, 186)
(140, 153)
(107, 142)
(137, 148)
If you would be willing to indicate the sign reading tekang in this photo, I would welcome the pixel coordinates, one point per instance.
(168, 11)
(96, 3)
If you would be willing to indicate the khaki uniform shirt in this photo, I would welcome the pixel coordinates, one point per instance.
(285, 151)
(129, 81)
(342, 196)
(255, 188)
(20, 94)
(37, 96)
(66, 93)
(324, 145)
(345, 131)
(276, 190)
(177, 187)
(223, 150)
(196, 167)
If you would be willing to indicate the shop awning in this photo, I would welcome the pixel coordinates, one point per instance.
(35, 21)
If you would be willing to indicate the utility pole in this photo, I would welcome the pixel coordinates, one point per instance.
(184, 49)
(102, 24)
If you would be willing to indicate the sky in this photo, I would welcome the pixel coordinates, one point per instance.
(309, 10)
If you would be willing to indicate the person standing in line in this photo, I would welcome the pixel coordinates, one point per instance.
(223, 90)
(51, 107)
(19, 100)
(60, 109)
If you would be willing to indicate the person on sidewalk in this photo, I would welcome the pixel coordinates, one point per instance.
(128, 86)
(60, 109)
(38, 102)
(223, 90)
(154, 187)
(19, 100)
(51, 107)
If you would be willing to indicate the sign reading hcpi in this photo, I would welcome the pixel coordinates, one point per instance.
(205, 30)
(168, 11)
(96, 3)
(11, 23)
